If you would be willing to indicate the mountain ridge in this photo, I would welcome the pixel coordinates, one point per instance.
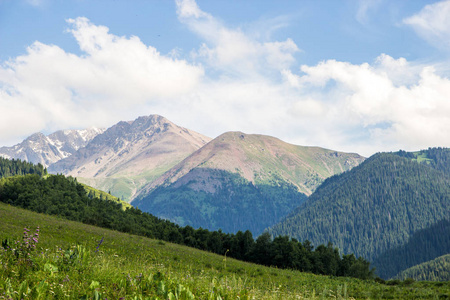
(130, 153)
(218, 184)
(302, 165)
(48, 149)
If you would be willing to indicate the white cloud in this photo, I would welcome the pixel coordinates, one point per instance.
(233, 81)
(433, 24)
(372, 104)
(231, 50)
(112, 79)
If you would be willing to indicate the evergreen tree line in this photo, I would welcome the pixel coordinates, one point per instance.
(377, 206)
(61, 196)
(13, 167)
(438, 158)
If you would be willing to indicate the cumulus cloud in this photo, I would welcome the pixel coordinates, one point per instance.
(49, 89)
(232, 81)
(433, 24)
(375, 106)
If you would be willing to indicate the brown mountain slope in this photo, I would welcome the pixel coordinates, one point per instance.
(241, 182)
(260, 158)
(131, 154)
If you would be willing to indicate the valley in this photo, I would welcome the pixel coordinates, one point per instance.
(386, 208)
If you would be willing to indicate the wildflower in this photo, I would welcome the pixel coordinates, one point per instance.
(99, 244)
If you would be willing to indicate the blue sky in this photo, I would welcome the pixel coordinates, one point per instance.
(360, 76)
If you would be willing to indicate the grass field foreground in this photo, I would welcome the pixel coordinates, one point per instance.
(76, 261)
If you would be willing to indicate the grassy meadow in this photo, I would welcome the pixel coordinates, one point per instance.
(76, 261)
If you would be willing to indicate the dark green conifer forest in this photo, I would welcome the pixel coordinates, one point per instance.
(437, 269)
(380, 206)
(18, 167)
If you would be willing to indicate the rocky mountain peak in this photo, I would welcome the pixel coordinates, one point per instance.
(145, 147)
(39, 148)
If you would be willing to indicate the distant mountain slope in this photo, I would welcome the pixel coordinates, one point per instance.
(435, 270)
(260, 158)
(240, 181)
(376, 206)
(46, 150)
(130, 154)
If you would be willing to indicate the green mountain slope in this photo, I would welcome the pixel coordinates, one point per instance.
(94, 193)
(240, 181)
(436, 270)
(128, 266)
(376, 206)
(235, 203)
(422, 246)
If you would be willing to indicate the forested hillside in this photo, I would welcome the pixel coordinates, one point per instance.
(64, 197)
(422, 246)
(18, 167)
(236, 204)
(242, 182)
(376, 206)
(436, 270)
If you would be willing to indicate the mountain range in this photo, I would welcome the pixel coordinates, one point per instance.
(391, 208)
(217, 185)
(130, 154)
(48, 149)
(151, 159)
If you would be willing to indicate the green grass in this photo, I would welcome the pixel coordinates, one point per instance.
(125, 185)
(65, 264)
(106, 196)
(421, 157)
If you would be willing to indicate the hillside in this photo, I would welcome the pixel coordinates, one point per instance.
(100, 263)
(46, 150)
(94, 193)
(376, 206)
(64, 197)
(130, 154)
(241, 181)
(422, 246)
(436, 270)
(260, 158)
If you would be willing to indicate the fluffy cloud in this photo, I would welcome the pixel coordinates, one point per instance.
(49, 89)
(433, 24)
(388, 105)
(232, 81)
